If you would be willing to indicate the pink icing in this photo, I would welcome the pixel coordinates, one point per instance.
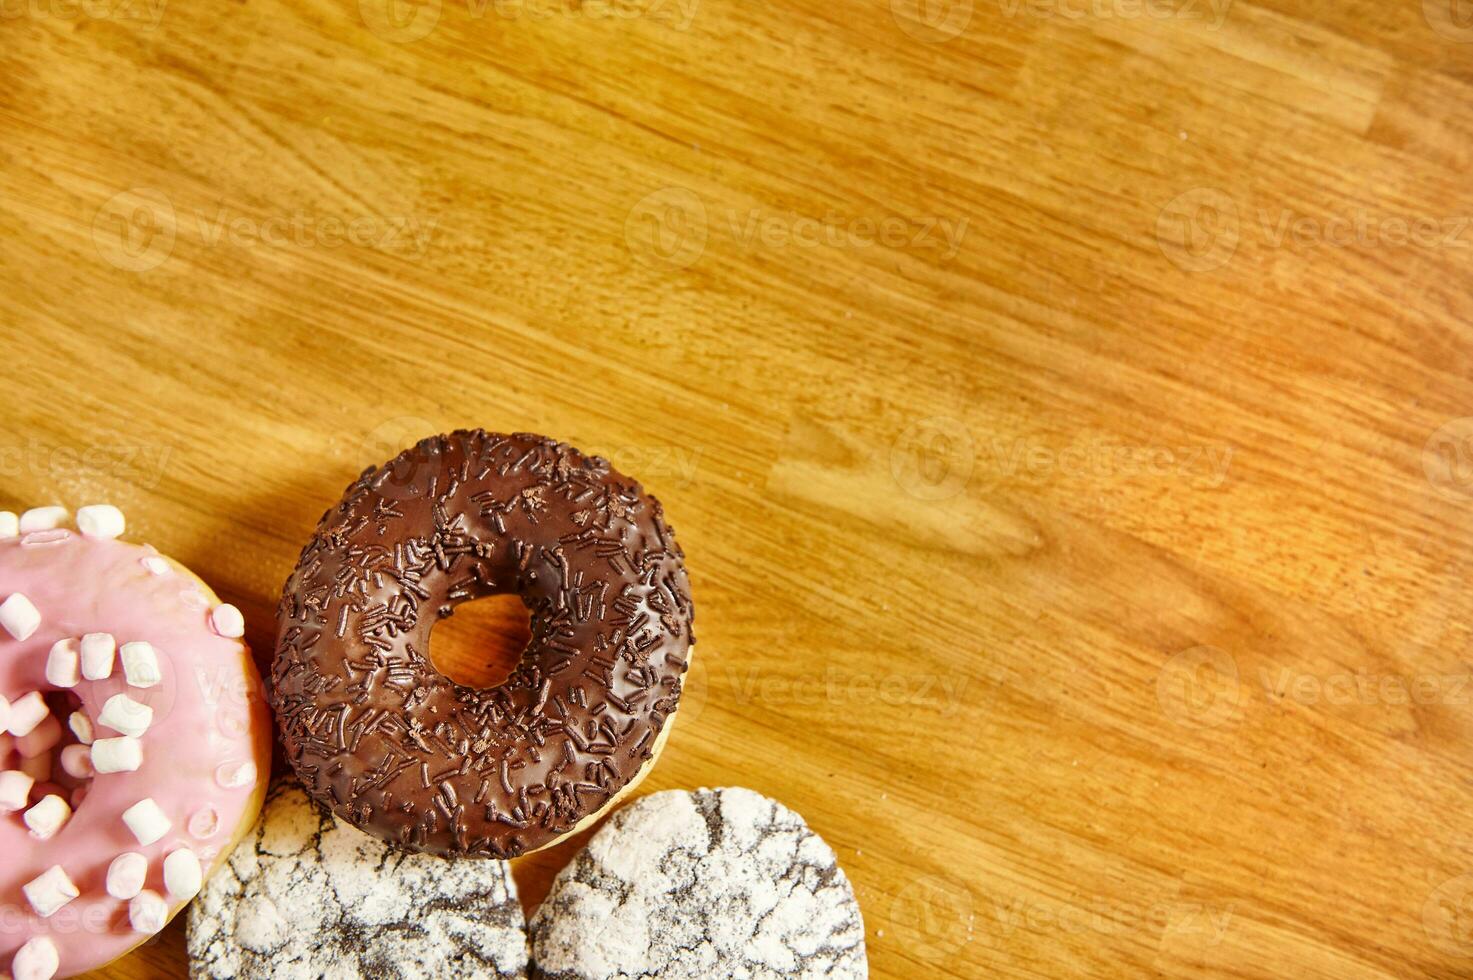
(208, 713)
(204, 823)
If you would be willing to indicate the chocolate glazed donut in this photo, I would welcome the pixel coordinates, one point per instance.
(396, 748)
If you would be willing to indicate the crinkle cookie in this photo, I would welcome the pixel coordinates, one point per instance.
(715, 883)
(308, 896)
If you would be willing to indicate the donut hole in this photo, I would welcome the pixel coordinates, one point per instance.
(479, 643)
(40, 754)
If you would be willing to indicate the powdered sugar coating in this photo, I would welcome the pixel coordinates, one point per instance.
(309, 896)
(692, 885)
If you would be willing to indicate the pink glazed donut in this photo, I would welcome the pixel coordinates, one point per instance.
(134, 740)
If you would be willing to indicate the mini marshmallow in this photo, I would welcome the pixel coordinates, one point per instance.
(81, 726)
(97, 656)
(100, 521)
(47, 817)
(15, 790)
(41, 739)
(49, 891)
(146, 819)
(140, 664)
(126, 874)
(38, 767)
(42, 519)
(76, 762)
(9, 524)
(121, 713)
(155, 564)
(148, 912)
(19, 616)
(183, 876)
(38, 959)
(117, 754)
(64, 663)
(27, 712)
(227, 620)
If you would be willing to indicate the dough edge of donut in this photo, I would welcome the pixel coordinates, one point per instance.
(639, 777)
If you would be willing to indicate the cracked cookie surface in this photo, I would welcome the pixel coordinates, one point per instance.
(306, 895)
(701, 884)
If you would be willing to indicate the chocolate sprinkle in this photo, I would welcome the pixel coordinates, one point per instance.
(368, 722)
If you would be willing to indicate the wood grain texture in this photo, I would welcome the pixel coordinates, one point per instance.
(1063, 405)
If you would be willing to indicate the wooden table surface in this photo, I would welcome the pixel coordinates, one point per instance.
(1064, 405)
